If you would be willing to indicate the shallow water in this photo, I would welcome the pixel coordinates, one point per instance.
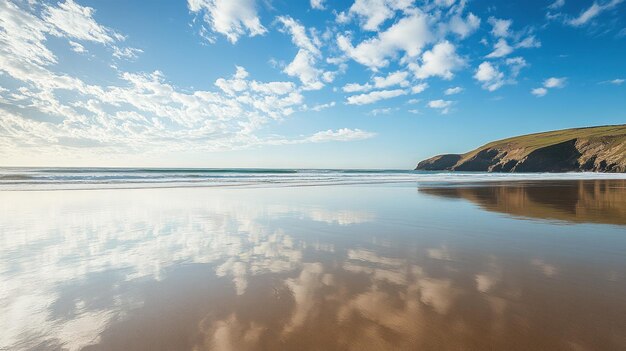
(530, 265)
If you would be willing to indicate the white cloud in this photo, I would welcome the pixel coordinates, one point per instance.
(76, 47)
(374, 12)
(515, 64)
(500, 27)
(464, 27)
(342, 17)
(489, 75)
(318, 4)
(232, 18)
(303, 67)
(381, 111)
(344, 134)
(304, 64)
(442, 105)
(408, 35)
(416, 89)
(74, 21)
(529, 42)
(374, 96)
(126, 53)
(273, 88)
(356, 87)
(501, 48)
(444, 3)
(393, 78)
(440, 61)
(321, 107)
(509, 40)
(549, 83)
(554, 82)
(298, 35)
(539, 91)
(556, 4)
(617, 81)
(452, 91)
(593, 11)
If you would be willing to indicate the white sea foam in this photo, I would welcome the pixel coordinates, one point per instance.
(106, 178)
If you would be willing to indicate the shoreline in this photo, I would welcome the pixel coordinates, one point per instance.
(437, 178)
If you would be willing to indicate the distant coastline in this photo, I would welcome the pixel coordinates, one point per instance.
(591, 149)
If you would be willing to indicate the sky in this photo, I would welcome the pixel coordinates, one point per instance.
(375, 84)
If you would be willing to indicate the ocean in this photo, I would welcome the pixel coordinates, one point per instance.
(107, 178)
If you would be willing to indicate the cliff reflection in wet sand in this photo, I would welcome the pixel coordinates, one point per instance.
(596, 201)
(318, 268)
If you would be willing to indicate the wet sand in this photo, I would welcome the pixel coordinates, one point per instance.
(490, 266)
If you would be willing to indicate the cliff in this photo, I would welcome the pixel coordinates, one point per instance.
(597, 149)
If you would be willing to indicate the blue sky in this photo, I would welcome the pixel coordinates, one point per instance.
(321, 83)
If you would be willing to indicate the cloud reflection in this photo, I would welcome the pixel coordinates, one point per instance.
(225, 269)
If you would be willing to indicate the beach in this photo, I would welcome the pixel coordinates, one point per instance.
(505, 264)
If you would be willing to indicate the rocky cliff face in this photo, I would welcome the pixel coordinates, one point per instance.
(598, 149)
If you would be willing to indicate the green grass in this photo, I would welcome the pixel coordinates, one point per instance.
(531, 142)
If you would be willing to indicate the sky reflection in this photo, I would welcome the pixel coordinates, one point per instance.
(347, 267)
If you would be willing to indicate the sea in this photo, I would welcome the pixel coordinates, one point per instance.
(107, 178)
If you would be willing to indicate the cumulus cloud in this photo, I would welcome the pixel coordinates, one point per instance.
(372, 13)
(356, 87)
(442, 105)
(507, 40)
(452, 91)
(440, 61)
(374, 96)
(500, 27)
(393, 78)
(489, 75)
(539, 91)
(464, 27)
(299, 35)
(304, 65)
(379, 82)
(231, 18)
(318, 4)
(554, 82)
(501, 48)
(549, 83)
(408, 35)
(492, 76)
(416, 89)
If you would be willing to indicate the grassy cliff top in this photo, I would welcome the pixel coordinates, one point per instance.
(525, 144)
